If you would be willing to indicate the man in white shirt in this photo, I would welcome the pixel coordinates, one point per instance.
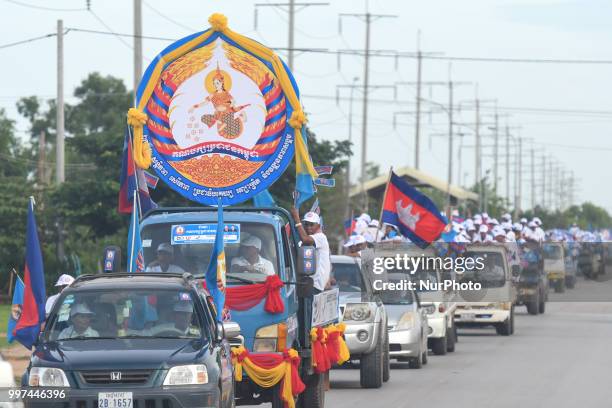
(310, 234)
(163, 263)
(250, 259)
(62, 283)
(80, 317)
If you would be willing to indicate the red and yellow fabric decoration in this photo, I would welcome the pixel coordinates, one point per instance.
(245, 297)
(328, 347)
(268, 369)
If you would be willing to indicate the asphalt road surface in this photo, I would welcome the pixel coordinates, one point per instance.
(560, 359)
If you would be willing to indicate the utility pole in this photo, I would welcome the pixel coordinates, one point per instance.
(137, 44)
(59, 144)
(551, 182)
(477, 170)
(517, 203)
(417, 123)
(368, 18)
(544, 181)
(41, 158)
(508, 164)
(496, 153)
(350, 139)
(450, 137)
(290, 9)
(533, 189)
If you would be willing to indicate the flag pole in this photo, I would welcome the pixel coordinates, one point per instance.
(11, 283)
(131, 144)
(132, 220)
(382, 204)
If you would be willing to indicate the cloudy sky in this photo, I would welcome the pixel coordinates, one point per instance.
(562, 110)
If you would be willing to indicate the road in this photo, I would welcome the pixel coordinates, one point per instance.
(560, 359)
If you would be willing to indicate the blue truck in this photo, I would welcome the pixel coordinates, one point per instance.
(190, 233)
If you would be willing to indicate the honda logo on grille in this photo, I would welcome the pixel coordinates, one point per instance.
(115, 376)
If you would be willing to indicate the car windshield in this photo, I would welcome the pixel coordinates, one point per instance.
(347, 276)
(118, 313)
(397, 297)
(250, 249)
(492, 275)
(552, 251)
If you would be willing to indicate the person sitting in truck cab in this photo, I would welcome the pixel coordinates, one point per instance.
(250, 259)
(163, 263)
(80, 317)
(181, 321)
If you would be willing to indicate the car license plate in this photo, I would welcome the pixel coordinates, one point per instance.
(468, 317)
(114, 400)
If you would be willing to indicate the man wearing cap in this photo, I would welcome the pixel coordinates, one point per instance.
(183, 312)
(373, 233)
(80, 317)
(310, 234)
(355, 244)
(250, 260)
(62, 283)
(482, 235)
(499, 235)
(163, 263)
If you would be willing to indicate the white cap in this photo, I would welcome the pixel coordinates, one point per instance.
(374, 223)
(366, 217)
(493, 221)
(468, 222)
(498, 231)
(532, 224)
(252, 241)
(537, 221)
(312, 217)
(523, 220)
(506, 217)
(471, 227)
(64, 280)
(350, 241)
(80, 308)
(507, 226)
(517, 226)
(485, 215)
(359, 239)
(483, 228)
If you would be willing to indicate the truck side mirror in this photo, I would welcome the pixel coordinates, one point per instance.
(306, 261)
(516, 270)
(231, 329)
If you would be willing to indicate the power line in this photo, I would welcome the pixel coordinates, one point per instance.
(32, 6)
(110, 29)
(171, 20)
(29, 40)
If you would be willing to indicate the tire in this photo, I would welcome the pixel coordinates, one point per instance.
(533, 306)
(438, 346)
(506, 328)
(542, 306)
(560, 286)
(424, 357)
(314, 394)
(386, 360)
(416, 362)
(371, 368)
(451, 338)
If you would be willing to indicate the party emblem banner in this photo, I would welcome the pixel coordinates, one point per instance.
(216, 120)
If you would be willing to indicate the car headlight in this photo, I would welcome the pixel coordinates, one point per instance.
(187, 375)
(429, 309)
(406, 322)
(357, 312)
(47, 377)
(271, 338)
(264, 345)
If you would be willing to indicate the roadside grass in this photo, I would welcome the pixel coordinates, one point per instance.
(4, 315)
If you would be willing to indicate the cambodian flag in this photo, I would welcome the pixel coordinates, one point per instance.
(215, 274)
(16, 307)
(132, 179)
(413, 213)
(33, 309)
(349, 226)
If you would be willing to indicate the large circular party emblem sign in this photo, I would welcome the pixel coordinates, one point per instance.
(217, 119)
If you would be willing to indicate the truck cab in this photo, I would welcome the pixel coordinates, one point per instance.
(190, 232)
(492, 304)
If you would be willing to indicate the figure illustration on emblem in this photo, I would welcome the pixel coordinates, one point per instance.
(228, 117)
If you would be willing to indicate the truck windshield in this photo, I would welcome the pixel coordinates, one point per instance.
(250, 249)
(347, 276)
(119, 313)
(551, 251)
(492, 275)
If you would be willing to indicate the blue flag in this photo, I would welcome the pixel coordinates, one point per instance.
(15, 309)
(135, 259)
(264, 199)
(33, 311)
(215, 274)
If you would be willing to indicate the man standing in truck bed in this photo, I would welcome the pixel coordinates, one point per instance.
(310, 234)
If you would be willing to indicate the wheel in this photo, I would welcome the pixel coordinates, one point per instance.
(532, 307)
(560, 286)
(512, 321)
(438, 346)
(542, 305)
(371, 368)
(416, 362)
(424, 357)
(386, 360)
(314, 394)
(451, 338)
(505, 328)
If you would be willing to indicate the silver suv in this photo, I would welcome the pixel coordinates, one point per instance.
(366, 321)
